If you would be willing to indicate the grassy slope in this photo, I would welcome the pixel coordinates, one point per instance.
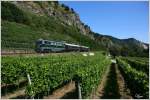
(17, 35)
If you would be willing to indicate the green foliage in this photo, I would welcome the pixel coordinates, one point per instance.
(137, 81)
(16, 35)
(140, 64)
(66, 7)
(13, 72)
(124, 51)
(11, 13)
(72, 10)
(114, 51)
(49, 72)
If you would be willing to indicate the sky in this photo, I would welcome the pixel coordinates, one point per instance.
(128, 19)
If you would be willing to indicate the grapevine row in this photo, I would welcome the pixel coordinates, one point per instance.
(138, 64)
(137, 81)
(49, 72)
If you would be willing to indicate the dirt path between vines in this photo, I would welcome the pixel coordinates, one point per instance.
(123, 90)
(65, 92)
(20, 92)
(62, 92)
(96, 94)
(112, 85)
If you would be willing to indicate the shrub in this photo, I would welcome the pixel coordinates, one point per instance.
(11, 13)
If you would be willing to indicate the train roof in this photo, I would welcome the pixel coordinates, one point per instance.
(76, 45)
(72, 44)
(84, 46)
(51, 41)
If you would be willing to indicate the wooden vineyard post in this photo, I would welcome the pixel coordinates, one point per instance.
(77, 80)
(29, 80)
(79, 91)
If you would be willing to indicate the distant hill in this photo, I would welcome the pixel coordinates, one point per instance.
(24, 22)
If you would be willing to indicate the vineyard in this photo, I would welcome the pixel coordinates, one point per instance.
(136, 73)
(48, 51)
(49, 72)
(40, 75)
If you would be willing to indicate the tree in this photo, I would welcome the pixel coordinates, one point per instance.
(96, 35)
(72, 10)
(66, 7)
(114, 51)
(124, 51)
(86, 26)
(11, 13)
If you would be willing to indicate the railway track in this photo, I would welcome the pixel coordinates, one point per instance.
(34, 53)
(23, 53)
(17, 52)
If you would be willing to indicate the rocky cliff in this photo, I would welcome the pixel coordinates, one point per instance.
(59, 11)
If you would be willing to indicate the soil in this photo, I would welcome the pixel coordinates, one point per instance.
(99, 92)
(112, 85)
(18, 93)
(123, 90)
(68, 91)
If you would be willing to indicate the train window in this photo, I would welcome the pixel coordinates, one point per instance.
(57, 44)
(52, 43)
(44, 45)
(39, 42)
(46, 42)
(60, 46)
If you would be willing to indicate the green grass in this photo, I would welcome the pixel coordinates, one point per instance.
(15, 33)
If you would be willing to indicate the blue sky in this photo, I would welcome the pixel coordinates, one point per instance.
(119, 19)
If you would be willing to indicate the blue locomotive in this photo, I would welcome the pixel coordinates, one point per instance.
(45, 46)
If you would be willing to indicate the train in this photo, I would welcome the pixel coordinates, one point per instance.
(46, 46)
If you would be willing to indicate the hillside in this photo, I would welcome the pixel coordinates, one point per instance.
(25, 22)
(31, 27)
